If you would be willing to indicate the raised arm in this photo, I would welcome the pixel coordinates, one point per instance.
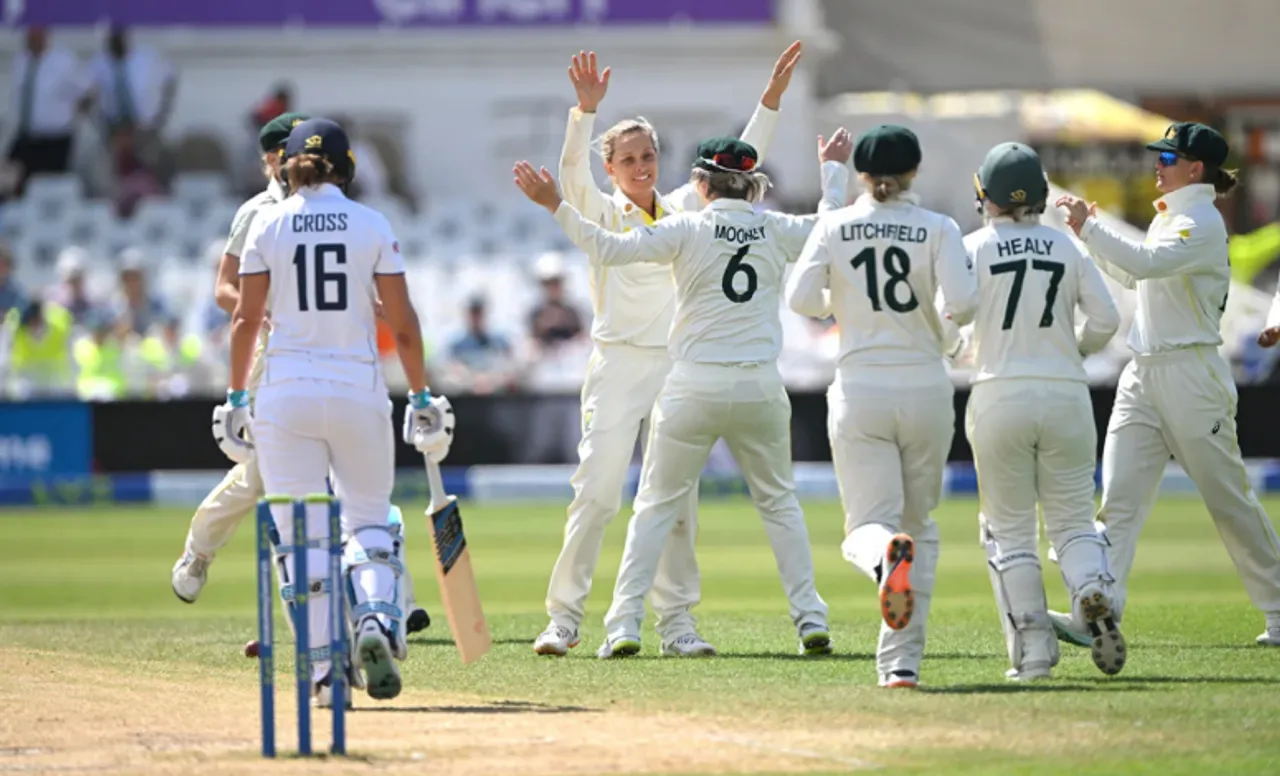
(759, 131)
(833, 155)
(1187, 247)
(1101, 318)
(659, 244)
(807, 288)
(579, 186)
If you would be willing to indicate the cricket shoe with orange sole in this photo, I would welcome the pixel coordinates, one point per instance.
(900, 680)
(896, 599)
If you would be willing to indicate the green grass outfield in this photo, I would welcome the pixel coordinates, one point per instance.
(88, 590)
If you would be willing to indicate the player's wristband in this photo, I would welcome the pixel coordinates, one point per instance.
(420, 399)
(238, 398)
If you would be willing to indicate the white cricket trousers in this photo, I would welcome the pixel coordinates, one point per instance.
(618, 398)
(304, 429)
(1183, 403)
(748, 407)
(1034, 442)
(890, 429)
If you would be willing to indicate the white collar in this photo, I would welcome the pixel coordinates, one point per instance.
(1180, 201)
(730, 204)
(661, 208)
(323, 190)
(906, 197)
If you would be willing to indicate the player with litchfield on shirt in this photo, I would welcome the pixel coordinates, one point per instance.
(728, 263)
(1030, 419)
(316, 260)
(879, 266)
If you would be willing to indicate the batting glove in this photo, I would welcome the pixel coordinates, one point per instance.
(428, 425)
(231, 427)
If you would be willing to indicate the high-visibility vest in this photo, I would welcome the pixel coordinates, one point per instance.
(42, 360)
(101, 371)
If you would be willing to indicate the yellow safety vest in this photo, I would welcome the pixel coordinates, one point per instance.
(42, 361)
(101, 371)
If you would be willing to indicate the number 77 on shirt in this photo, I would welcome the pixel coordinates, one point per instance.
(457, 581)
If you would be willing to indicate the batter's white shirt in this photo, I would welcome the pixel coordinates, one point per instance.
(1031, 279)
(1180, 271)
(322, 251)
(728, 262)
(889, 272)
(632, 304)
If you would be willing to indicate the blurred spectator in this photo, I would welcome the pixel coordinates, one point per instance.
(10, 295)
(135, 87)
(132, 178)
(99, 361)
(173, 362)
(554, 321)
(39, 339)
(279, 101)
(213, 319)
(70, 293)
(136, 310)
(49, 89)
(480, 361)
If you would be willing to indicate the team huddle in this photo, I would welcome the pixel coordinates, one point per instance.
(687, 289)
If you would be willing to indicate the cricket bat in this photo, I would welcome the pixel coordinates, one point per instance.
(457, 581)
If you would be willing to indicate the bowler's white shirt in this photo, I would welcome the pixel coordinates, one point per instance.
(632, 304)
(60, 83)
(889, 272)
(1181, 271)
(728, 263)
(322, 252)
(1031, 279)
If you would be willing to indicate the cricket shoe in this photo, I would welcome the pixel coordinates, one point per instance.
(322, 691)
(556, 640)
(900, 679)
(815, 638)
(1031, 671)
(1108, 647)
(189, 575)
(896, 599)
(623, 646)
(1270, 637)
(373, 656)
(1064, 627)
(688, 645)
(418, 620)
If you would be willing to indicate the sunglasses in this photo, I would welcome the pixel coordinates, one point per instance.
(1170, 158)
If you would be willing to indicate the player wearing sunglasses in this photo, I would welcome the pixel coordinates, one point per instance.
(1177, 397)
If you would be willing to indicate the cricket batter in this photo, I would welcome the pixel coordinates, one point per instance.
(878, 266)
(632, 308)
(1177, 397)
(218, 516)
(1029, 418)
(319, 261)
(728, 263)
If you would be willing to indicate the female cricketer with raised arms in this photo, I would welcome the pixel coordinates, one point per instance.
(1177, 397)
(319, 261)
(727, 262)
(1029, 419)
(632, 307)
(878, 265)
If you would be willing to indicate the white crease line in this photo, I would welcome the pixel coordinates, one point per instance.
(852, 762)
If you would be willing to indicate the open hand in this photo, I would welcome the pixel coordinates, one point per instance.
(780, 79)
(538, 186)
(1078, 211)
(590, 84)
(837, 149)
